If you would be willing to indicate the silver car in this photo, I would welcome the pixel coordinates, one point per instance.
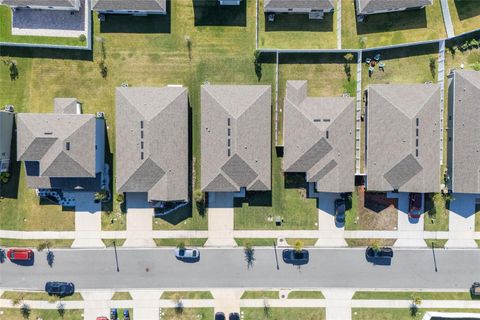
(187, 254)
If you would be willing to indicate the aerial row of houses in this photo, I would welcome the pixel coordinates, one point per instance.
(65, 150)
(315, 8)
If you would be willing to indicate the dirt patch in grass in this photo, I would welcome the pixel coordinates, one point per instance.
(373, 211)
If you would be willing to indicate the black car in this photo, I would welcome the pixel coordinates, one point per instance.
(234, 316)
(219, 316)
(340, 211)
(295, 257)
(382, 252)
(61, 289)
(475, 289)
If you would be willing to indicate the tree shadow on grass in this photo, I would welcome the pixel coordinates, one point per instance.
(126, 23)
(393, 21)
(211, 13)
(255, 199)
(467, 8)
(299, 22)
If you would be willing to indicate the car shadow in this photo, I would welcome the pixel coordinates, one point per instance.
(380, 261)
(189, 260)
(24, 263)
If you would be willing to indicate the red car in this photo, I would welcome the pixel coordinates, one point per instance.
(20, 254)
(102, 318)
(415, 205)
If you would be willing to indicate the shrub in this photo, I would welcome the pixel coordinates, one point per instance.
(82, 38)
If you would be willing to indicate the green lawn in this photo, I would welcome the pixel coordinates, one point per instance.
(109, 242)
(189, 242)
(465, 15)
(438, 243)
(58, 243)
(397, 314)
(436, 213)
(393, 295)
(16, 314)
(6, 33)
(369, 242)
(260, 295)
(391, 28)
(25, 295)
(175, 295)
(283, 313)
(114, 220)
(122, 295)
(156, 57)
(261, 242)
(310, 242)
(306, 295)
(297, 31)
(187, 313)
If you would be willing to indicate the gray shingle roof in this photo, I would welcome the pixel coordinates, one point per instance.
(163, 171)
(65, 105)
(325, 5)
(466, 140)
(327, 160)
(401, 120)
(372, 6)
(236, 118)
(45, 3)
(63, 144)
(140, 5)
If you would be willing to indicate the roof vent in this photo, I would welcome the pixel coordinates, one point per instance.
(48, 133)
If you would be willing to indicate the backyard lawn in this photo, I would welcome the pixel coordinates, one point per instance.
(6, 33)
(283, 313)
(173, 50)
(17, 314)
(465, 15)
(391, 28)
(398, 314)
(297, 31)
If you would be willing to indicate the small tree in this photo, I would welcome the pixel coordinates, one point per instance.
(61, 309)
(375, 246)
(43, 245)
(4, 177)
(179, 306)
(249, 254)
(102, 195)
(433, 66)
(181, 245)
(298, 246)
(120, 198)
(188, 42)
(25, 311)
(266, 309)
(416, 301)
(103, 68)
(347, 67)
(16, 300)
(198, 196)
(82, 38)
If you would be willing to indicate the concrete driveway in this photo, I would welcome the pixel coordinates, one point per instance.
(220, 220)
(88, 222)
(139, 221)
(461, 221)
(332, 234)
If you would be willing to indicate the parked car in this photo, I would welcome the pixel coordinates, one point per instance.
(294, 257)
(20, 254)
(340, 210)
(187, 254)
(414, 205)
(475, 289)
(234, 316)
(61, 289)
(219, 316)
(113, 314)
(382, 252)
(126, 314)
(102, 318)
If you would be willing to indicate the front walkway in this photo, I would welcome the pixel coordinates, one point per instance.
(461, 222)
(88, 222)
(220, 220)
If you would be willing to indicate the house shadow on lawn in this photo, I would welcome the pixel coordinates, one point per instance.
(467, 8)
(9, 190)
(299, 22)
(404, 52)
(313, 58)
(108, 205)
(126, 23)
(211, 13)
(393, 21)
(255, 199)
(57, 54)
(177, 216)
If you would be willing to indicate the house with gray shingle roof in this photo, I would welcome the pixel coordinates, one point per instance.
(464, 140)
(236, 138)
(298, 6)
(366, 7)
(140, 7)
(62, 151)
(69, 5)
(403, 138)
(152, 142)
(6, 127)
(319, 138)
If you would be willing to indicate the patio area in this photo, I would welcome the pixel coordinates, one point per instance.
(55, 23)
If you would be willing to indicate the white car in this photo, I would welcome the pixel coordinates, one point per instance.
(188, 254)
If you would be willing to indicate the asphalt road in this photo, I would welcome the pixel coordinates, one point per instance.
(217, 268)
